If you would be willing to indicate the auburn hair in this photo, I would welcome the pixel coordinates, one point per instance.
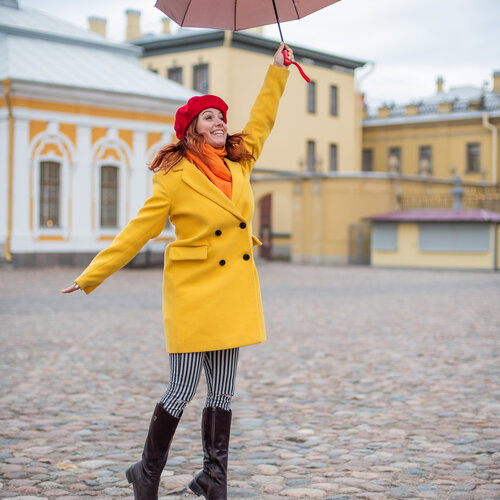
(171, 154)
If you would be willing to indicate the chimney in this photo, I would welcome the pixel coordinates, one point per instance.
(133, 24)
(259, 30)
(97, 25)
(496, 82)
(166, 26)
(445, 107)
(384, 111)
(411, 109)
(439, 84)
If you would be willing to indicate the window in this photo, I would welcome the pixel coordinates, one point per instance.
(50, 193)
(453, 237)
(311, 156)
(333, 158)
(394, 160)
(425, 160)
(473, 157)
(367, 165)
(333, 100)
(200, 78)
(385, 236)
(152, 69)
(311, 97)
(109, 196)
(175, 74)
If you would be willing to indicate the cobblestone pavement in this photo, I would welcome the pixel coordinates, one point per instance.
(374, 384)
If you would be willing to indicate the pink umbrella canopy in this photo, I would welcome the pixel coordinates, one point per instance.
(237, 15)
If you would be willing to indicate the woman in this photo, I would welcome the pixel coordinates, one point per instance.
(211, 295)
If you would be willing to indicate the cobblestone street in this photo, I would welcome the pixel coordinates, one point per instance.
(374, 384)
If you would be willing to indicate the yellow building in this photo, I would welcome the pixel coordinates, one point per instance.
(79, 121)
(452, 132)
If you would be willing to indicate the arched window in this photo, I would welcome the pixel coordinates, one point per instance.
(109, 196)
(50, 194)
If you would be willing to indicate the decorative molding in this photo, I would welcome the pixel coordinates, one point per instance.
(181, 43)
(118, 101)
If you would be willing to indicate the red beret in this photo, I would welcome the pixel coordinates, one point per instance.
(187, 113)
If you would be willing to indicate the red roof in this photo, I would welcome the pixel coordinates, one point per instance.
(435, 215)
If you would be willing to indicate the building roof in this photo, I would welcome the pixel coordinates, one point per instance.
(465, 102)
(38, 48)
(432, 215)
(34, 23)
(188, 39)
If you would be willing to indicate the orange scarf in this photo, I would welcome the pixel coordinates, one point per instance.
(213, 166)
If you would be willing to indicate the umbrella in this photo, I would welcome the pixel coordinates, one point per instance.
(237, 15)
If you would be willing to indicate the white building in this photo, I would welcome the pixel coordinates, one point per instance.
(79, 121)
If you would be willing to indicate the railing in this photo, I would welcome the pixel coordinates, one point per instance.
(486, 198)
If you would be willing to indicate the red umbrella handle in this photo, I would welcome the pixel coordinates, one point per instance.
(287, 62)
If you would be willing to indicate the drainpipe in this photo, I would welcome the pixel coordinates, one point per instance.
(494, 146)
(361, 78)
(496, 257)
(10, 181)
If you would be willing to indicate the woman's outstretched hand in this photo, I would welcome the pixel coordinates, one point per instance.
(279, 60)
(73, 288)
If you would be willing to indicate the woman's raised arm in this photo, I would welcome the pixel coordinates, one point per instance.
(265, 108)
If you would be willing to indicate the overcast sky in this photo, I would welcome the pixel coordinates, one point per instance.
(410, 42)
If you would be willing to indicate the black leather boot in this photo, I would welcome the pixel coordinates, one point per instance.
(145, 474)
(211, 482)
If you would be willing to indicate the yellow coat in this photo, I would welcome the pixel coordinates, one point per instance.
(211, 293)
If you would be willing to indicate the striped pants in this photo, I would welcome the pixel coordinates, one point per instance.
(185, 371)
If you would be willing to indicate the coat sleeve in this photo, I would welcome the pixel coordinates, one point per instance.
(264, 111)
(148, 223)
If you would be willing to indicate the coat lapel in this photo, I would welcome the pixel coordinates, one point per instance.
(200, 183)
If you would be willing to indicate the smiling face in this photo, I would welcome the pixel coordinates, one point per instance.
(212, 127)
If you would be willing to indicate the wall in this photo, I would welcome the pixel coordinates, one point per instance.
(409, 255)
(321, 210)
(323, 207)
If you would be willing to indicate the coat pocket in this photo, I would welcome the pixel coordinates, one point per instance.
(256, 241)
(188, 253)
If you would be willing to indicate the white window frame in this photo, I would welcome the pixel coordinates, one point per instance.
(120, 222)
(51, 136)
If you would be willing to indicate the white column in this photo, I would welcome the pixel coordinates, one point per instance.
(82, 237)
(22, 240)
(4, 178)
(138, 173)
